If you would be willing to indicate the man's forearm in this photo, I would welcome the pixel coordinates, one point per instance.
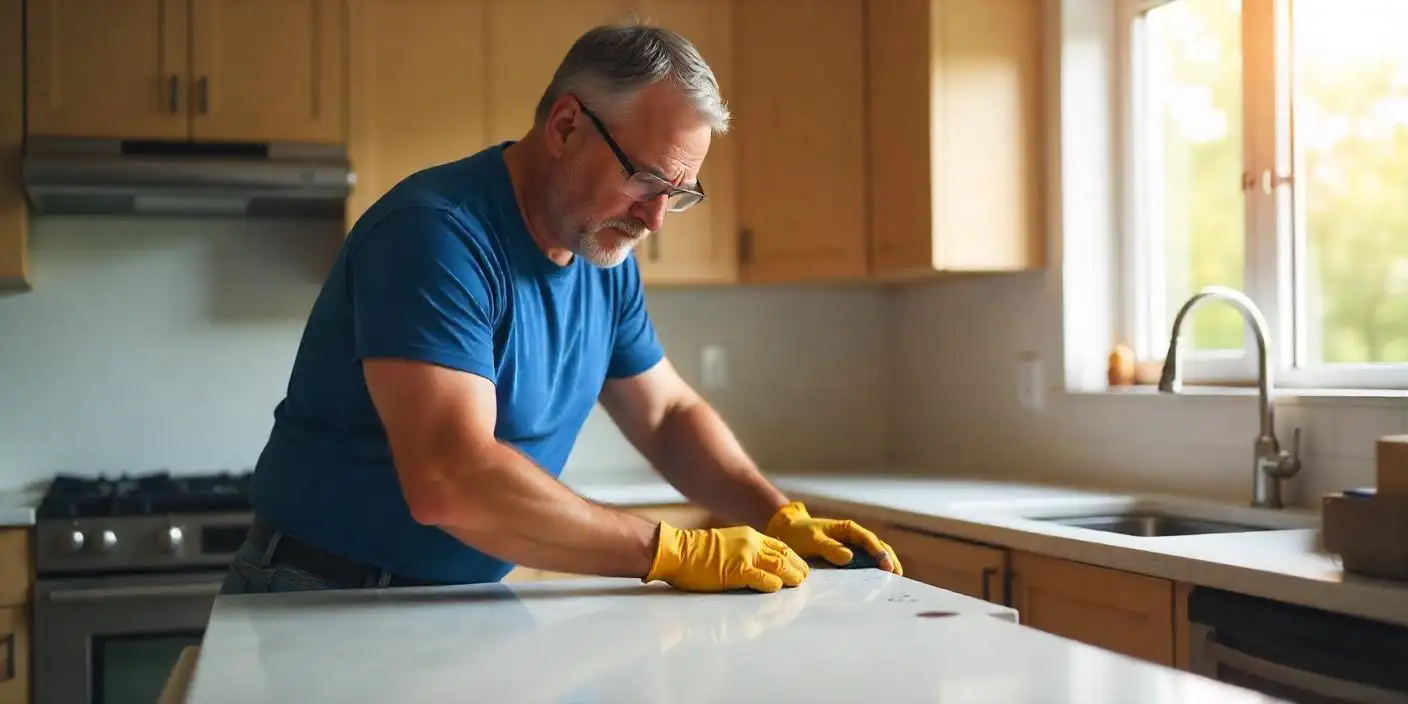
(510, 508)
(697, 453)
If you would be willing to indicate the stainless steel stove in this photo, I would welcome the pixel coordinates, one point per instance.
(128, 568)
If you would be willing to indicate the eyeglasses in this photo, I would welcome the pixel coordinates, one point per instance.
(643, 185)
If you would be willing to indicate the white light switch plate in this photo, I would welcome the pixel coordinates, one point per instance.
(1029, 384)
(713, 367)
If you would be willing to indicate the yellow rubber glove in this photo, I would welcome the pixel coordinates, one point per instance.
(720, 559)
(824, 537)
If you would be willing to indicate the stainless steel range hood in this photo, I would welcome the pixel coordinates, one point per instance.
(134, 177)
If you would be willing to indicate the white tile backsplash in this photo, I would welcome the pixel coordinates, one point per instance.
(153, 344)
(165, 344)
(955, 406)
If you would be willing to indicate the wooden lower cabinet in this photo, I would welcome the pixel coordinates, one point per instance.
(1133, 614)
(677, 515)
(1120, 611)
(958, 566)
(16, 578)
(14, 655)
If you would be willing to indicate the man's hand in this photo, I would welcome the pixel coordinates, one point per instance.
(827, 538)
(720, 559)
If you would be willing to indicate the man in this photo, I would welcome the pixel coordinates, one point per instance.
(474, 317)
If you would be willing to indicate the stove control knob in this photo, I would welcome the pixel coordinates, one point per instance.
(75, 541)
(107, 540)
(171, 539)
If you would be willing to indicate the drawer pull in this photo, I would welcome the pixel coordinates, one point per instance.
(988, 574)
(9, 657)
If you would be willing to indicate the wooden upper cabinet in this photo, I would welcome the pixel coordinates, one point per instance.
(413, 104)
(700, 245)
(525, 41)
(14, 215)
(799, 105)
(217, 70)
(268, 70)
(108, 69)
(957, 146)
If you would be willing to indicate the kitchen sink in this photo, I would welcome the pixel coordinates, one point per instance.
(1151, 524)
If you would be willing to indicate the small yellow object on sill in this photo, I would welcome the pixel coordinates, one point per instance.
(1122, 366)
(1125, 368)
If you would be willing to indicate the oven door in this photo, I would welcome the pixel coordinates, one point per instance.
(114, 639)
(1212, 658)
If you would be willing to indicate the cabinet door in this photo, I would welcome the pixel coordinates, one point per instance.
(526, 40)
(14, 656)
(268, 70)
(957, 152)
(799, 102)
(16, 567)
(699, 245)
(1120, 611)
(966, 568)
(113, 69)
(993, 215)
(417, 103)
(14, 216)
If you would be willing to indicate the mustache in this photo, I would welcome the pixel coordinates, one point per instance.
(634, 228)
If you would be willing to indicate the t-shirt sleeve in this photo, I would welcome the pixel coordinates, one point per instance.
(421, 288)
(637, 348)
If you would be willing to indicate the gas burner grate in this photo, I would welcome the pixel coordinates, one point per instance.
(75, 496)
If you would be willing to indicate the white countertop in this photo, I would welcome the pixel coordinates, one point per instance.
(1286, 565)
(17, 506)
(843, 635)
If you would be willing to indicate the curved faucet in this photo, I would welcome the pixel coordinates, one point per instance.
(1271, 465)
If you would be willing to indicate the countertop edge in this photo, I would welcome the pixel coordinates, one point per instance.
(17, 517)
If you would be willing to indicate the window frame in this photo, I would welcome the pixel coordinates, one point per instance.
(1273, 213)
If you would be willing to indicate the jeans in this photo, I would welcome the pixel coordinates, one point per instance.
(251, 572)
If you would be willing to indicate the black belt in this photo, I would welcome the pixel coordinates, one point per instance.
(339, 570)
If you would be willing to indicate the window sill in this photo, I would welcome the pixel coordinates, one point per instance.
(1395, 398)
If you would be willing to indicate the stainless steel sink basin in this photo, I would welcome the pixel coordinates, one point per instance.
(1151, 524)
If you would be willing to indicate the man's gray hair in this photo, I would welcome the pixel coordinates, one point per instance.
(609, 64)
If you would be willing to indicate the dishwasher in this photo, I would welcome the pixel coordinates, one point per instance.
(1297, 653)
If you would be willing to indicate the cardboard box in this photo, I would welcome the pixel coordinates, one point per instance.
(1369, 533)
(1392, 461)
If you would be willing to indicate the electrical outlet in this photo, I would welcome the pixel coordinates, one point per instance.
(1029, 388)
(713, 368)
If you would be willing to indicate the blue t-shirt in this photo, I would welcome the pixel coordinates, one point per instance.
(441, 269)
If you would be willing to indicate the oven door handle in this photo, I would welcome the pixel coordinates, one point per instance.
(135, 592)
(1323, 685)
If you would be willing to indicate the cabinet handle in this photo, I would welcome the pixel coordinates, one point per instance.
(652, 248)
(9, 657)
(203, 95)
(988, 574)
(174, 89)
(745, 246)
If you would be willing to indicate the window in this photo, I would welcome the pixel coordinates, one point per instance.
(1267, 148)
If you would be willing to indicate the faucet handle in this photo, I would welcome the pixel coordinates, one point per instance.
(1287, 464)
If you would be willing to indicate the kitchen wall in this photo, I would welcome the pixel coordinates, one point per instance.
(955, 407)
(165, 344)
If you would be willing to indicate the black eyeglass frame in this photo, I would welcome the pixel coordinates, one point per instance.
(667, 189)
